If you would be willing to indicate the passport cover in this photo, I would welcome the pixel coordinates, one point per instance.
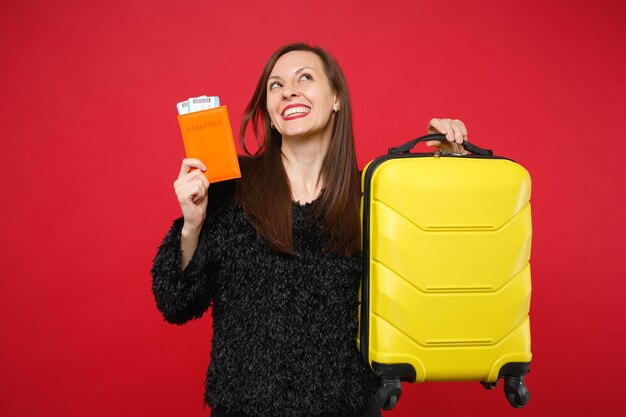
(207, 136)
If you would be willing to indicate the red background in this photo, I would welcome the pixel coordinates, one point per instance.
(91, 147)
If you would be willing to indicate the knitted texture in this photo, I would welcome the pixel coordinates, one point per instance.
(284, 326)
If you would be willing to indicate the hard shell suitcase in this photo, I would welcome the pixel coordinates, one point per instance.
(446, 283)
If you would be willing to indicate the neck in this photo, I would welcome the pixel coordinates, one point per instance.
(303, 159)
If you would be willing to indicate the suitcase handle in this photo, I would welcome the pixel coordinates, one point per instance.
(406, 147)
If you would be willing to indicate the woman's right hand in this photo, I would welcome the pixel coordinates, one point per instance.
(192, 191)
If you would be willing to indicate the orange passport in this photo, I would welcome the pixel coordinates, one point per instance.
(208, 137)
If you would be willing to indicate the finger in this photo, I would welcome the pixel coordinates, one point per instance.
(436, 126)
(188, 164)
(193, 176)
(195, 190)
(196, 193)
(203, 180)
(433, 143)
(457, 132)
(463, 128)
(186, 185)
(203, 191)
(447, 127)
(204, 183)
(199, 182)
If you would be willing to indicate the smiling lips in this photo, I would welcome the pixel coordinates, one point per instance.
(295, 111)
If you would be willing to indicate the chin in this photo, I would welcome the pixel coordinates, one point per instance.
(296, 133)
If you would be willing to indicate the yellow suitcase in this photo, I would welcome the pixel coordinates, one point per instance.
(446, 282)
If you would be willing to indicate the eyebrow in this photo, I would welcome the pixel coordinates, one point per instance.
(298, 71)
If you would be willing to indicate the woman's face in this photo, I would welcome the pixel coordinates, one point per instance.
(300, 100)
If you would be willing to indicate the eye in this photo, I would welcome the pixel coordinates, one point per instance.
(275, 84)
(305, 77)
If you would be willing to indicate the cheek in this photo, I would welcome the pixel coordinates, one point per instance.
(272, 108)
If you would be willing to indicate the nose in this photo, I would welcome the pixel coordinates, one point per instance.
(290, 90)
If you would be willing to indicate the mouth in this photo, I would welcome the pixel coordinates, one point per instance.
(295, 111)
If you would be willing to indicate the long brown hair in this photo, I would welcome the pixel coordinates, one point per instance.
(264, 191)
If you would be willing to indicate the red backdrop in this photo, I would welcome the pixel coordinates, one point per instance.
(91, 147)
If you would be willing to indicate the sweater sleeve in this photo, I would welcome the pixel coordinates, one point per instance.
(183, 295)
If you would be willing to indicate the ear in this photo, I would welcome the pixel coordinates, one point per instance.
(336, 105)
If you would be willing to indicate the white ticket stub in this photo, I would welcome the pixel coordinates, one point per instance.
(197, 104)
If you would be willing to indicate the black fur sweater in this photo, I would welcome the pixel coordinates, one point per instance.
(284, 327)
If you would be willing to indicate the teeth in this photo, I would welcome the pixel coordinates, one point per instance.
(296, 110)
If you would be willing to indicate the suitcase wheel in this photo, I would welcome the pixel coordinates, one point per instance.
(516, 391)
(388, 393)
(391, 403)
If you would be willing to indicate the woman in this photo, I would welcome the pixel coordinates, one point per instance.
(276, 253)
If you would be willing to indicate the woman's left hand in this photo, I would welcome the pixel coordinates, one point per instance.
(455, 132)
